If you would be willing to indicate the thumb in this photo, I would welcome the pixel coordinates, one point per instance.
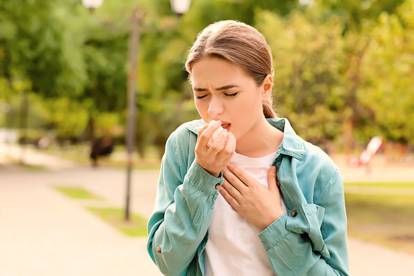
(271, 179)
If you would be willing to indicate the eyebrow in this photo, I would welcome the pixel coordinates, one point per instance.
(200, 89)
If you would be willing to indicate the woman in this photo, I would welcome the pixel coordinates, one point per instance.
(239, 192)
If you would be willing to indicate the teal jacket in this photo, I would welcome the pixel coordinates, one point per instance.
(309, 240)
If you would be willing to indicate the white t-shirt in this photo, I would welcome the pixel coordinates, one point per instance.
(233, 246)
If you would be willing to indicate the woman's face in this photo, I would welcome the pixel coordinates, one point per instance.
(223, 91)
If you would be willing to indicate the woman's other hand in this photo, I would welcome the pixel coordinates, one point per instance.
(215, 146)
(256, 204)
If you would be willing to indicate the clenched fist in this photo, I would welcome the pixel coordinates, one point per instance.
(215, 146)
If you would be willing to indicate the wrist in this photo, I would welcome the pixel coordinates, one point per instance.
(216, 174)
(213, 173)
(269, 220)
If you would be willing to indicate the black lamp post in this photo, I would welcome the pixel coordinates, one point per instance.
(179, 7)
(132, 80)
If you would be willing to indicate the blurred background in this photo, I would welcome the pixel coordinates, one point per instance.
(73, 73)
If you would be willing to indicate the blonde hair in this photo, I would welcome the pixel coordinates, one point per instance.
(239, 44)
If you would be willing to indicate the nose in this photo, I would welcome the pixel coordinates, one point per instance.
(215, 108)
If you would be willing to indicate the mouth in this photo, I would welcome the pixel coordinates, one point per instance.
(226, 126)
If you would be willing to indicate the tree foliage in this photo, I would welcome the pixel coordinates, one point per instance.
(388, 75)
(308, 59)
(343, 69)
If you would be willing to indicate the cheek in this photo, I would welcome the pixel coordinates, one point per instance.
(245, 115)
(250, 108)
(201, 108)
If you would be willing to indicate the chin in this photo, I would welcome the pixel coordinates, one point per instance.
(235, 134)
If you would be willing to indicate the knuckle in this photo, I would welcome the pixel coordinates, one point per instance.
(197, 148)
(227, 151)
(214, 148)
(199, 153)
(229, 176)
(244, 190)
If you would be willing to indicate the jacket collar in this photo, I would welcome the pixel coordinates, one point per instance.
(292, 144)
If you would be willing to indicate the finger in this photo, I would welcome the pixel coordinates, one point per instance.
(229, 148)
(212, 151)
(206, 135)
(202, 128)
(232, 191)
(229, 199)
(271, 178)
(277, 180)
(218, 134)
(235, 181)
(241, 175)
(218, 140)
(231, 142)
(214, 148)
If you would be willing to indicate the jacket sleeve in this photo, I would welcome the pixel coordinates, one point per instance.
(290, 240)
(184, 203)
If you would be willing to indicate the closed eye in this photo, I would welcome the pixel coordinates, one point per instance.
(226, 94)
(231, 94)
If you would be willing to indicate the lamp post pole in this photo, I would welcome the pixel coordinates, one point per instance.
(179, 7)
(24, 112)
(132, 80)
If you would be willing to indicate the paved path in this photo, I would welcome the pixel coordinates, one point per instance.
(44, 233)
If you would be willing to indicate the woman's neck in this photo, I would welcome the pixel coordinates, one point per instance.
(259, 141)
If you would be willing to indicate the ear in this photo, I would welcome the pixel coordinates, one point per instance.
(267, 87)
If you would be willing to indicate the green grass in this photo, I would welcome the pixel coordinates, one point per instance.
(77, 193)
(136, 227)
(384, 219)
(392, 185)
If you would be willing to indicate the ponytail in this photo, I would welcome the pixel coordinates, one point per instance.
(268, 110)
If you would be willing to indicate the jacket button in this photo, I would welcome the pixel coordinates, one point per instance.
(293, 213)
(158, 249)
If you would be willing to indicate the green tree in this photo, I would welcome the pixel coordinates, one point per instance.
(308, 58)
(388, 83)
(35, 47)
(165, 98)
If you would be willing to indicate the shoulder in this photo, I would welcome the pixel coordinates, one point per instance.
(184, 131)
(320, 163)
(328, 186)
(319, 167)
(320, 159)
(183, 138)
